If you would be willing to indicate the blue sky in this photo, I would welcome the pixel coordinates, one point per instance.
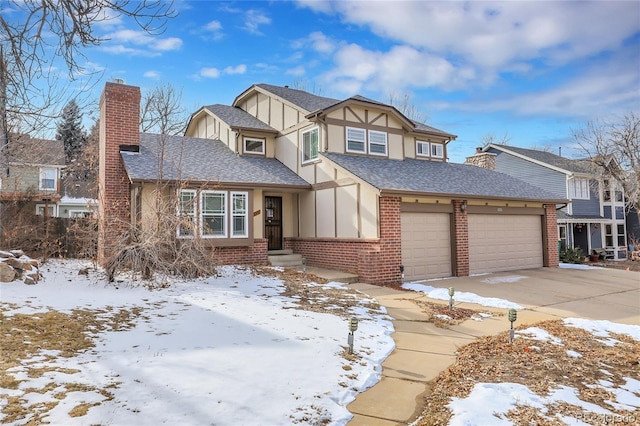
(531, 71)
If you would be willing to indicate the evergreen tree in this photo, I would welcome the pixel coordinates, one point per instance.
(70, 131)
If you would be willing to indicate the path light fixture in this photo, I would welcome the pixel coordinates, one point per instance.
(402, 274)
(513, 315)
(451, 293)
(304, 266)
(353, 326)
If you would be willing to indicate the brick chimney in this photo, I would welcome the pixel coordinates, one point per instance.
(119, 127)
(486, 160)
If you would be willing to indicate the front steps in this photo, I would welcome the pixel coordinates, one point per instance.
(289, 259)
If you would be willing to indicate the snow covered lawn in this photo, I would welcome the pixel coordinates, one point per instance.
(235, 349)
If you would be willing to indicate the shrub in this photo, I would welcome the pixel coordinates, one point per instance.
(571, 255)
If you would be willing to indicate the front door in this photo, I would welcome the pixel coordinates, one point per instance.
(273, 222)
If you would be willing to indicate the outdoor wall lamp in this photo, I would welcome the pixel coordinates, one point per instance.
(353, 326)
(463, 206)
(402, 274)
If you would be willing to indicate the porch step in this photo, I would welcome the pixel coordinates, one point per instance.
(289, 260)
(279, 252)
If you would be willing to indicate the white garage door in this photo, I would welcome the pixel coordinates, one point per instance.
(504, 242)
(426, 245)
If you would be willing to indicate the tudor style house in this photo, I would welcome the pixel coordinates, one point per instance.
(350, 184)
(595, 216)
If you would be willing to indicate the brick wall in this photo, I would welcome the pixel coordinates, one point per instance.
(332, 253)
(461, 240)
(119, 125)
(552, 257)
(249, 255)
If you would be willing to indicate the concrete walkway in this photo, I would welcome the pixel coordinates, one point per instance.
(424, 350)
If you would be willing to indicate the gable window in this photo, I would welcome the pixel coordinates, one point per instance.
(48, 179)
(240, 220)
(187, 213)
(310, 140)
(437, 150)
(213, 213)
(377, 142)
(579, 188)
(422, 148)
(254, 146)
(356, 140)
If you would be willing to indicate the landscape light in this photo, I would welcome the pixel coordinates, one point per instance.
(513, 315)
(353, 326)
(451, 293)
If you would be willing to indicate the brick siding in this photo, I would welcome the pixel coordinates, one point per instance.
(248, 255)
(552, 257)
(461, 240)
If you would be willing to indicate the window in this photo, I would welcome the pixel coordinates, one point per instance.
(214, 214)
(622, 240)
(48, 179)
(187, 213)
(310, 145)
(608, 236)
(211, 214)
(49, 208)
(377, 142)
(422, 148)
(240, 220)
(355, 140)
(253, 146)
(437, 150)
(579, 188)
(562, 236)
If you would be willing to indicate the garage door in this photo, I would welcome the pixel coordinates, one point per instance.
(426, 245)
(504, 242)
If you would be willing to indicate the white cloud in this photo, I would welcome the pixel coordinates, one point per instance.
(154, 75)
(210, 72)
(321, 43)
(139, 43)
(238, 69)
(213, 26)
(254, 19)
(296, 71)
(167, 44)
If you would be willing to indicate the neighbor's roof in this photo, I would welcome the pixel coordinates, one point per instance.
(236, 117)
(439, 178)
(23, 149)
(564, 216)
(568, 164)
(203, 160)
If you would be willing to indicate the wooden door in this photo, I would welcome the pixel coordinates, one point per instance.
(273, 222)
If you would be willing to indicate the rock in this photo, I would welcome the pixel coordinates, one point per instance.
(7, 273)
(15, 263)
(29, 280)
(32, 277)
(17, 253)
(5, 254)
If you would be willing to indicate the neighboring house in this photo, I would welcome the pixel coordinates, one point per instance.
(349, 184)
(32, 176)
(595, 217)
(79, 199)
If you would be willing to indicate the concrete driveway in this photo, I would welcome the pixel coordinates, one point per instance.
(594, 293)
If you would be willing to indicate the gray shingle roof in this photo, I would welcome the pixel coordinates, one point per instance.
(411, 175)
(571, 165)
(236, 117)
(300, 98)
(203, 160)
(24, 149)
(564, 216)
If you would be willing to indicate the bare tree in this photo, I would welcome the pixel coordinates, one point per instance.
(43, 32)
(404, 103)
(614, 150)
(491, 138)
(161, 111)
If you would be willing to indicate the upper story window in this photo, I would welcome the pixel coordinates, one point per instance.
(310, 141)
(254, 146)
(357, 141)
(48, 178)
(422, 148)
(579, 188)
(377, 142)
(437, 150)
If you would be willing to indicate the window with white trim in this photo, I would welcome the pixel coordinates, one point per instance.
(579, 188)
(49, 208)
(608, 235)
(213, 214)
(377, 142)
(310, 141)
(254, 146)
(356, 140)
(48, 178)
(240, 218)
(622, 236)
(187, 213)
(437, 150)
(422, 148)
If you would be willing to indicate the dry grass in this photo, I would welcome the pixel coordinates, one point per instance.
(58, 334)
(542, 367)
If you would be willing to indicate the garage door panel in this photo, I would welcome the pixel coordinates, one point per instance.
(426, 245)
(504, 242)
